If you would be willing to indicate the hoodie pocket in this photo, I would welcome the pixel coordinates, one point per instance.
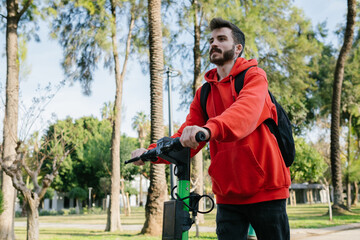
(235, 172)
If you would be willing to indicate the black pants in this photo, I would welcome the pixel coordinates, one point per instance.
(269, 220)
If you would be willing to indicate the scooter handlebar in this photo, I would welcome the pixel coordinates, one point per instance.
(200, 137)
(175, 144)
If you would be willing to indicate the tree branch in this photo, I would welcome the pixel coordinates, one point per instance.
(25, 7)
(25, 166)
(40, 164)
(49, 178)
(13, 172)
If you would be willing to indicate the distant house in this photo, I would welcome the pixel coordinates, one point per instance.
(307, 193)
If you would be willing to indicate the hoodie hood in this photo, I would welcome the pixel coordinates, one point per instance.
(240, 65)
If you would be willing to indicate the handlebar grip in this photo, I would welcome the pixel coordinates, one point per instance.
(149, 155)
(132, 160)
(200, 137)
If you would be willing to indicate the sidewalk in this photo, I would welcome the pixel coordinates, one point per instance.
(349, 231)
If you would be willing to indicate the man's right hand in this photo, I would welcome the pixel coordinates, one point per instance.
(137, 153)
(188, 138)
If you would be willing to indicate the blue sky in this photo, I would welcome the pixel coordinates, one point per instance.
(44, 64)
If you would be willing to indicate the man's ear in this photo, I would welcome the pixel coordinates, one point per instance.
(238, 49)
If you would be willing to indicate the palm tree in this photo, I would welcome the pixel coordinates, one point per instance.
(107, 111)
(141, 124)
(336, 102)
(157, 192)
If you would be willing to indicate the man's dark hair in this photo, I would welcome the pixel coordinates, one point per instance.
(238, 35)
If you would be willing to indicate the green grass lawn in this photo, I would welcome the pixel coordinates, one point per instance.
(316, 216)
(301, 216)
(81, 234)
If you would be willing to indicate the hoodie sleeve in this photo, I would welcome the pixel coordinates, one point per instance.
(242, 117)
(195, 117)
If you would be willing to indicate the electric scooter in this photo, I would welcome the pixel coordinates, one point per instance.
(176, 216)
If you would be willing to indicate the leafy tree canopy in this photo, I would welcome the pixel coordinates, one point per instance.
(308, 165)
(90, 160)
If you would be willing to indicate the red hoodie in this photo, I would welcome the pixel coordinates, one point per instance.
(246, 162)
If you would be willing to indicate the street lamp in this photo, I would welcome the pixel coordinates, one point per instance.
(171, 73)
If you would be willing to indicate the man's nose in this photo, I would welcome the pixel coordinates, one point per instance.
(213, 44)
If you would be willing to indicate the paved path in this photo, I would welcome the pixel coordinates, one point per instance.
(349, 231)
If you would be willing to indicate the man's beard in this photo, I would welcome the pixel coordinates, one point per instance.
(228, 55)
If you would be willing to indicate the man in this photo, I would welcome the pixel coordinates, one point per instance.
(249, 176)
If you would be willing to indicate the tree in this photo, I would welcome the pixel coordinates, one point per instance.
(84, 39)
(280, 50)
(107, 111)
(89, 164)
(113, 220)
(350, 106)
(141, 124)
(79, 194)
(309, 166)
(30, 159)
(283, 44)
(157, 192)
(15, 13)
(335, 109)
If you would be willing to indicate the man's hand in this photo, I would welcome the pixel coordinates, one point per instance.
(187, 138)
(136, 153)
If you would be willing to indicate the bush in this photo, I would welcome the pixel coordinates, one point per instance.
(60, 212)
(72, 211)
(96, 210)
(51, 212)
(48, 213)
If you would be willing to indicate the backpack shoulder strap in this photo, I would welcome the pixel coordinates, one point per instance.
(239, 80)
(204, 92)
(205, 89)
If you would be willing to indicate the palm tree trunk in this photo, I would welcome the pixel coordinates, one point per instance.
(157, 192)
(197, 52)
(347, 179)
(336, 102)
(197, 176)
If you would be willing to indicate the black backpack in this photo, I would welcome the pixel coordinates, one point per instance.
(282, 131)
